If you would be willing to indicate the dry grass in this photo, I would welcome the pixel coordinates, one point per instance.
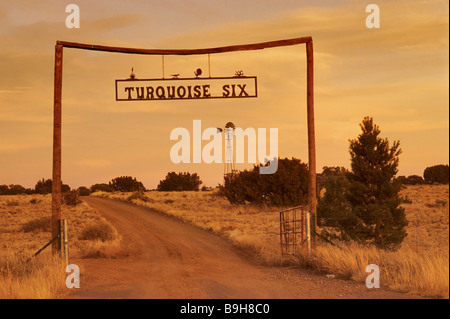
(428, 228)
(250, 227)
(25, 228)
(41, 278)
(421, 266)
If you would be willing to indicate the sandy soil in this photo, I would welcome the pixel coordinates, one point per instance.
(170, 259)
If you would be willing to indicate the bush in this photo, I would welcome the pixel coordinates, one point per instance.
(288, 186)
(44, 186)
(180, 182)
(126, 184)
(415, 180)
(410, 180)
(83, 191)
(138, 195)
(101, 188)
(14, 190)
(333, 208)
(12, 203)
(71, 198)
(35, 201)
(436, 174)
(4, 190)
(42, 224)
(98, 231)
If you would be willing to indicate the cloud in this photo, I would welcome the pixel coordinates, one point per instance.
(93, 162)
(397, 74)
(404, 24)
(112, 23)
(25, 118)
(16, 147)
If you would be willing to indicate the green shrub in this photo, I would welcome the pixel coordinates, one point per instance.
(71, 198)
(180, 182)
(437, 174)
(44, 186)
(126, 184)
(98, 231)
(138, 195)
(83, 191)
(101, 188)
(288, 186)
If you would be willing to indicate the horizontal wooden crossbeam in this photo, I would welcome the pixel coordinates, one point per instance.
(244, 47)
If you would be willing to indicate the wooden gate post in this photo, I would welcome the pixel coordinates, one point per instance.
(312, 201)
(56, 179)
(308, 232)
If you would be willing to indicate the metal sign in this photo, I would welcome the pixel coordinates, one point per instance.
(186, 88)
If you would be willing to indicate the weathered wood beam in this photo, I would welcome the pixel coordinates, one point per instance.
(244, 47)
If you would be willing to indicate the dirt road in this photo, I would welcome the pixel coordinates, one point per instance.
(171, 259)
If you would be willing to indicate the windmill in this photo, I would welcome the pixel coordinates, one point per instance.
(229, 154)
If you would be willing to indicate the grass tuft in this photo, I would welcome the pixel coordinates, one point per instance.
(421, 266)
(100, 230)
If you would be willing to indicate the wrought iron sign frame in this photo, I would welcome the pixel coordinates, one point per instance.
(57, 110)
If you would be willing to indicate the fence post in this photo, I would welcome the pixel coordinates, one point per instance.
(313, 228)
(59, 241)
(308, 232)
(66, 241)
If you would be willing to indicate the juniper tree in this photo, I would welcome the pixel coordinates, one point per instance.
(180, 182)
(126, 184)
(333, 208)
(373, 193)
(436, 174)
(288, 186)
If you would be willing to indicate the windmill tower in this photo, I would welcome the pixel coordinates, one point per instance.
(229, 154)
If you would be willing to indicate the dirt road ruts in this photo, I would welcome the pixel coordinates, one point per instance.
(171, 259)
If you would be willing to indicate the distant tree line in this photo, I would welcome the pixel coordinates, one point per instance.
(43, 186)
(437, 174)
(182, 181)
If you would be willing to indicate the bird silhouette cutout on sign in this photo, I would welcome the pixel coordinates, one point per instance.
(132, 75)
(198, 72)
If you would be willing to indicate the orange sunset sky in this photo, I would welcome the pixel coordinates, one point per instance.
(398, 74)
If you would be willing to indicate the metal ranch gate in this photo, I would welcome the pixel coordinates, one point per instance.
(294, 230)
